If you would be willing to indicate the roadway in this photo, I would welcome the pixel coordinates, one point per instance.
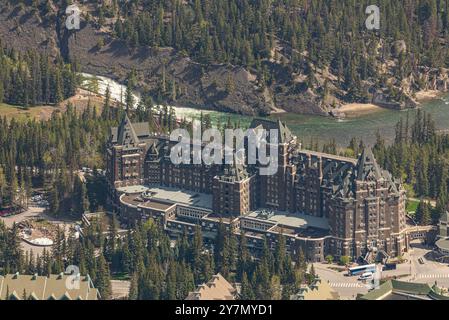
(34, 211)
(347, 287)
(412, 270)
(430, 271)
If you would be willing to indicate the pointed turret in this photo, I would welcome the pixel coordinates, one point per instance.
(153, 150)
(367, 167)
(126, 133)
(284, 133)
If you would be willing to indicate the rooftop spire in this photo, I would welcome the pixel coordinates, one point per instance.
(126, 133)
(367, 166)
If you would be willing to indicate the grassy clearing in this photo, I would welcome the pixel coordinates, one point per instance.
(412, 205)
(22, 114)
(79, 101)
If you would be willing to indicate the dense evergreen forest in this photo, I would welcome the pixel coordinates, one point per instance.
(157, 269)
(419, 157)
(32, 78)
(317, 49)
(304, 35)
(47, 153)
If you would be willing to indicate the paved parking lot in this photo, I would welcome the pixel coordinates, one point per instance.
(430, 271)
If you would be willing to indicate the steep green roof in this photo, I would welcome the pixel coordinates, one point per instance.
(437, 296)
(420, 290)
(383, 290)
(411, 288)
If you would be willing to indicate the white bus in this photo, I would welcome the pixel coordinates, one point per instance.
(362, 269)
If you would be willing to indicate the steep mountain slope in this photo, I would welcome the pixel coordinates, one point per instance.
(249, 57)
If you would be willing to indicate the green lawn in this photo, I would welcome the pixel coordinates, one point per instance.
(412, 205)
(19, 113)
(6, 109)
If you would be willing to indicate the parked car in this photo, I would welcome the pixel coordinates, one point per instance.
(366, 276)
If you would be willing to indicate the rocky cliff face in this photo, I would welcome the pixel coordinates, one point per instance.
(218, 87)
(24, 29)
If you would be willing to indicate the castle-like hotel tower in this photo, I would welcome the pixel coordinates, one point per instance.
(342, 206)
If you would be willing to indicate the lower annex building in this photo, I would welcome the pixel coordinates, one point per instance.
(322, 204)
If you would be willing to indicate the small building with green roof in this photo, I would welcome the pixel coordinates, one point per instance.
(401, 290)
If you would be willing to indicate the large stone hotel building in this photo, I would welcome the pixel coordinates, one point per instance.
(322, 204)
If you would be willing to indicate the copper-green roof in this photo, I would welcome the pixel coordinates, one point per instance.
(411, 288)
(377, 294)
(418, 290)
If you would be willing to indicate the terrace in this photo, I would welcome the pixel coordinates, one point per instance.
(162, 198)
(296, 220)
(185, 197)
(292, 224)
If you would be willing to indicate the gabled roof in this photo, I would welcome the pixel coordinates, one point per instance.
(384, 289)
(285, 135)
(416, 290)
(341, 180)
(14, 296)
(19, 283)
(126, 134)
(367, 167)
(218, 288)
(33, 296)
(142, 129)
(318, 290)
(53, 287)
(410, 287)
(153, 149)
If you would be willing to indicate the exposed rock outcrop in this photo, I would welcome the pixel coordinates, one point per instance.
(220, 87)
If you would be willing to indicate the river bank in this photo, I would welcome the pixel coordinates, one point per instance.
(362, 121)
(358, 109)
(354, 110)
(428, 95)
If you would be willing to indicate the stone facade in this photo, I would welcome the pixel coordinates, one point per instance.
(363, 204)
